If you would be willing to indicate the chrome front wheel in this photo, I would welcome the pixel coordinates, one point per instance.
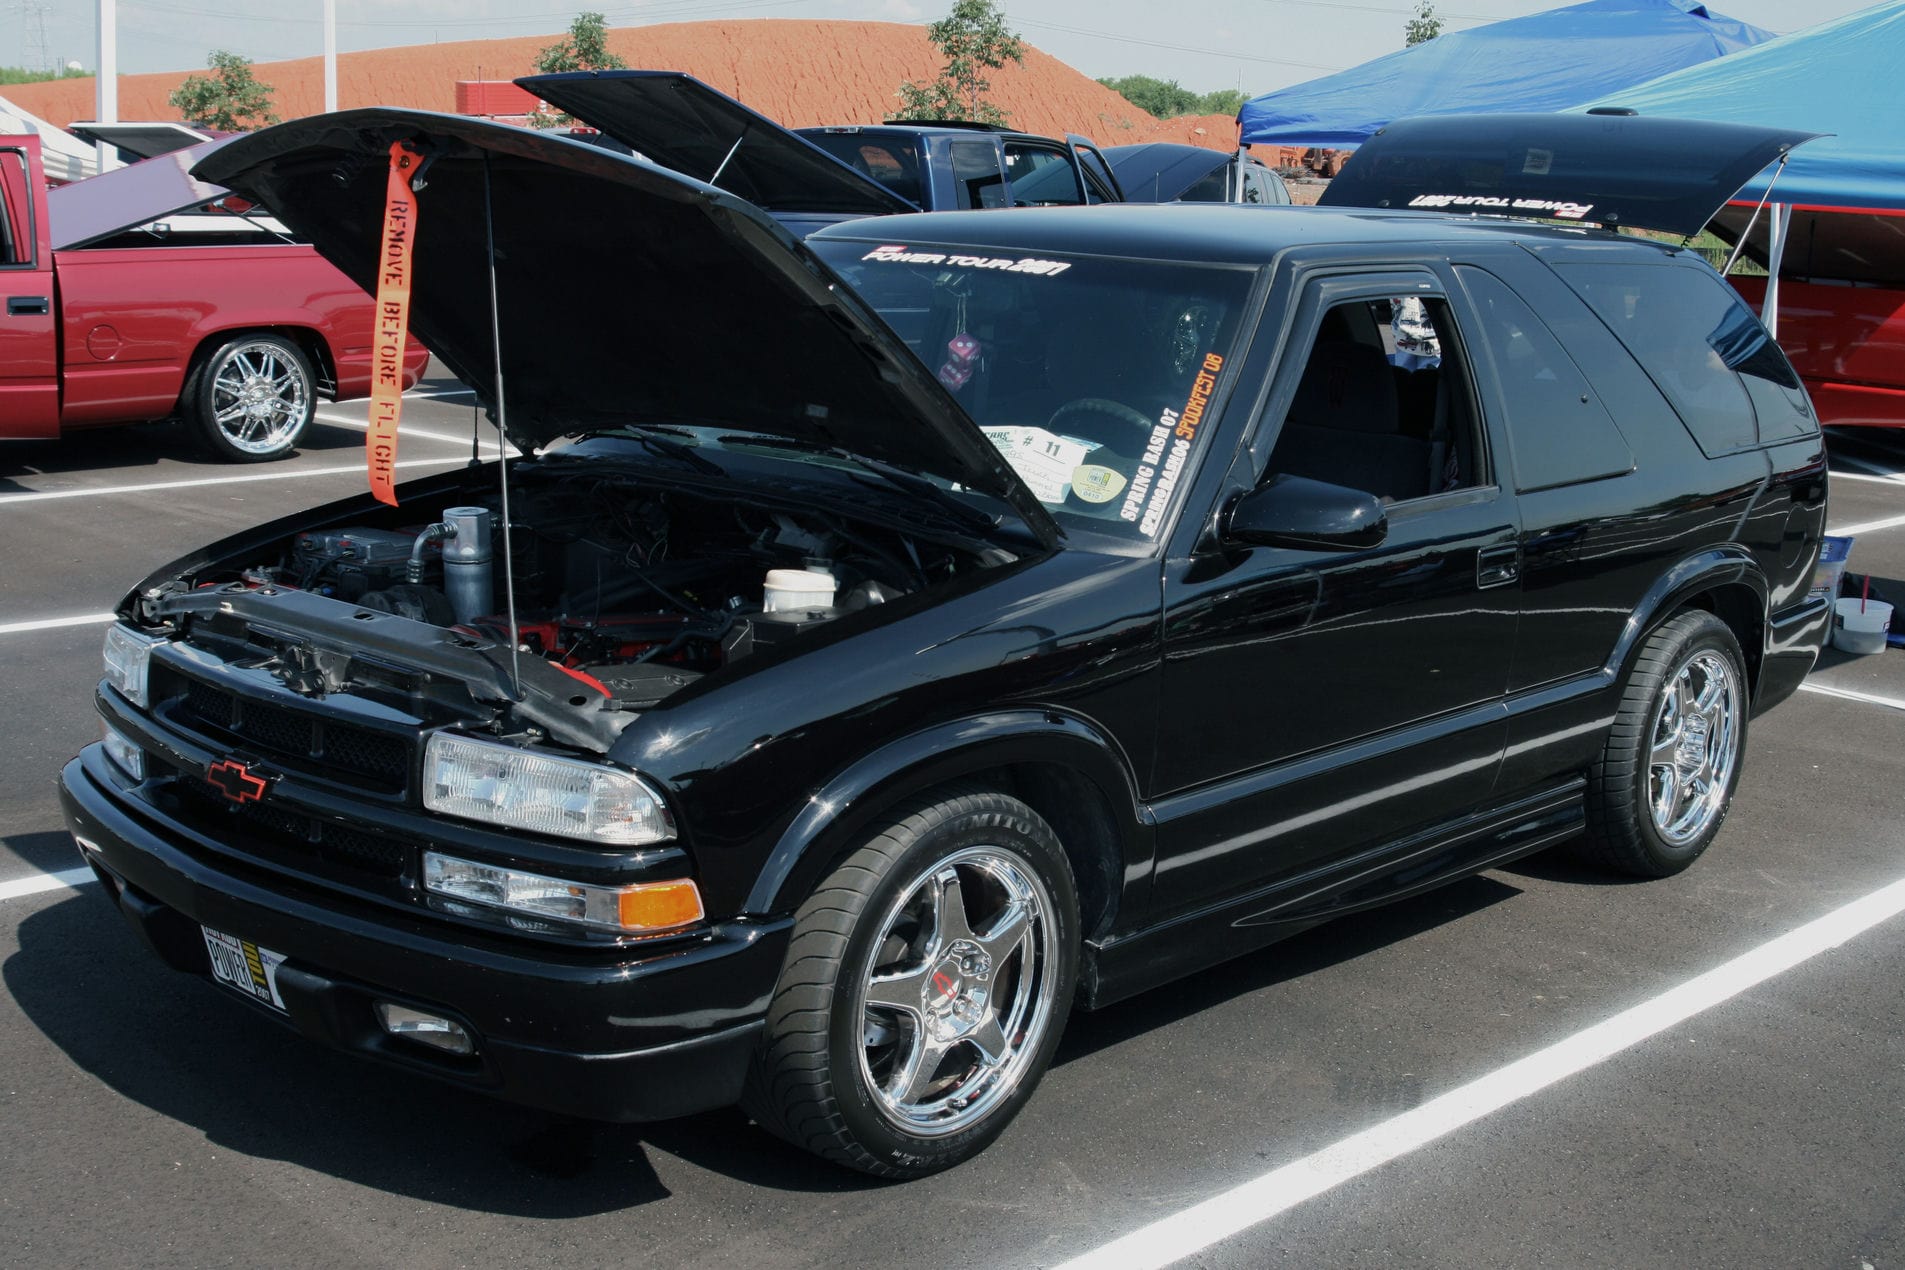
(924, 989)
(957, 991)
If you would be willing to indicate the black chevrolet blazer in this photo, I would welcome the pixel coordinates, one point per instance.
(884, 645)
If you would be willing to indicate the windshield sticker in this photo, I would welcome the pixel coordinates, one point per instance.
(1044, 460)
(897, 255)
(1168, 451)
(1488, 202)
(1095, 483)
(1537, 162)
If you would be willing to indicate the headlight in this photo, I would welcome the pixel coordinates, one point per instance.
(503, 785)
(127, 654)
(643, 908)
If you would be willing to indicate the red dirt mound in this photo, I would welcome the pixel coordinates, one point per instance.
(797, 72)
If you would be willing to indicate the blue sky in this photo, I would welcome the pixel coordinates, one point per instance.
(1256, 45)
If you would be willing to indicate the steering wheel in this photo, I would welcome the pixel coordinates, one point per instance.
(1103, 408)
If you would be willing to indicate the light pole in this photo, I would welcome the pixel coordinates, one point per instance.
(330, 55)
(106, 83)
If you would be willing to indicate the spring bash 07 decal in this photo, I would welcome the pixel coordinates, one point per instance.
(1167, 452)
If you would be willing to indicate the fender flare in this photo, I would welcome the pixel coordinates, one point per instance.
(1723, 565)
(825, 828)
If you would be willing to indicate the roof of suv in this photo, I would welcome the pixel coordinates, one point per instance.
(1214, 233)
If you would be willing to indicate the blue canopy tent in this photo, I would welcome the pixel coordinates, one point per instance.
(1547, 61)
(1840, 77)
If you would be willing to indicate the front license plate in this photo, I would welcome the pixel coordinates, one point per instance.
(245, 966)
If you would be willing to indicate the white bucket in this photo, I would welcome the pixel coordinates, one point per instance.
(1856, 631)
(791, 590)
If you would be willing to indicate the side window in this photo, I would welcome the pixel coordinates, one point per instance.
(16, 235)
(1214, 188)
(1390, 424)
(977, 179)
(1560, 432)
(1041, 177)
(1707, 353)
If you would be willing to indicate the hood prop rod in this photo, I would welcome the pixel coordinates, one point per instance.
(1753, 220)
(502, 438)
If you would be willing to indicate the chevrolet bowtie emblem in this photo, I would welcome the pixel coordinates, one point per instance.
(234, 780)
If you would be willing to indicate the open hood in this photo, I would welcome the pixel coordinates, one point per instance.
(681, 123)
(101, 206)
(1615, 169)
(142, 140)
(625, 293)
(1160, 171)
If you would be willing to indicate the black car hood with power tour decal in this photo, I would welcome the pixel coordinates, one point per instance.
(679, 122)
(1670, 175)
(626, 294)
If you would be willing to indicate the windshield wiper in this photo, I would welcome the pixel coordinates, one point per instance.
(659, 438)
(889, 474)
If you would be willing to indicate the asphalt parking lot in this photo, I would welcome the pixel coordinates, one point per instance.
(1535, 1067)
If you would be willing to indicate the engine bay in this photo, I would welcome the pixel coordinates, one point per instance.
(632, 590)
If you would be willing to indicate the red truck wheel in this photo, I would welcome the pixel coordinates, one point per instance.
(251, 399)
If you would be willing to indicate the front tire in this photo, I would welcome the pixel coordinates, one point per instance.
(251, 399)
(925, 989)
(1660, 791)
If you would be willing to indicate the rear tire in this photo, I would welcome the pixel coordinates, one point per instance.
(251, 399)
(924, 990)
(1660, 790)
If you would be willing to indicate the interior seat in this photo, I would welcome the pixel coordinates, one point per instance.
(1344, 426)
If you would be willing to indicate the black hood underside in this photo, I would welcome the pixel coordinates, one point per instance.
(625, 293)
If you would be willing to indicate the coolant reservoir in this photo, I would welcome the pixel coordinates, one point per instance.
(795, 590)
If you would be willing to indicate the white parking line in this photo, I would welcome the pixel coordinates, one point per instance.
(1870, 472)
(45, 882)
(1870, 526)
(405, 434)
(1827, 690)
(54, 623)
(1194, 1229)
(447, 392)
(7, 500)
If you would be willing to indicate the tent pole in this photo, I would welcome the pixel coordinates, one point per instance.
(1782, 219)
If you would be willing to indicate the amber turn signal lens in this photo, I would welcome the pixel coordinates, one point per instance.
(660, 905)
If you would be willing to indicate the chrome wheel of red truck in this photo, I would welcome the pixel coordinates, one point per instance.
(252, 398)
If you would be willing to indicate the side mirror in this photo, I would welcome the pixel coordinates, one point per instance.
(1295, 511)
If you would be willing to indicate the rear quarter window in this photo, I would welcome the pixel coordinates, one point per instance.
(1703, 348)
(1559, 431)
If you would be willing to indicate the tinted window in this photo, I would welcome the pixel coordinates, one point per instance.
(892, 161)
(1701, 346)
(1557, 426)
(1094, 377)
(1367, 417)
(1040, 177)
(16, 241)
(977, 180)
(1213, 188)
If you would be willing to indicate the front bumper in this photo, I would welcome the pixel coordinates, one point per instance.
(625, 1034)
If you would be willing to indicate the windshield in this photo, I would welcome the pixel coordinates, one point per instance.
(1091, 376)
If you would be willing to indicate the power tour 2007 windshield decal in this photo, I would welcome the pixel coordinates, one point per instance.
(1158, 471)
(899, 255)
(1488, 202)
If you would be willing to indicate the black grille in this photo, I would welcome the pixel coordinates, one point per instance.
(304, 740)
(293, 832)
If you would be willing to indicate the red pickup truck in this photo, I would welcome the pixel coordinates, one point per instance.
(142, 294)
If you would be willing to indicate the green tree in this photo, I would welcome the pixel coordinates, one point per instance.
(1225, 101)
(1423, 27)
(1161, 98)
(230, 99)
(586, 49)
(973, 39)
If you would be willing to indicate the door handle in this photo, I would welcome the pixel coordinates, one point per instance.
(28, 306)
(1497, 566)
